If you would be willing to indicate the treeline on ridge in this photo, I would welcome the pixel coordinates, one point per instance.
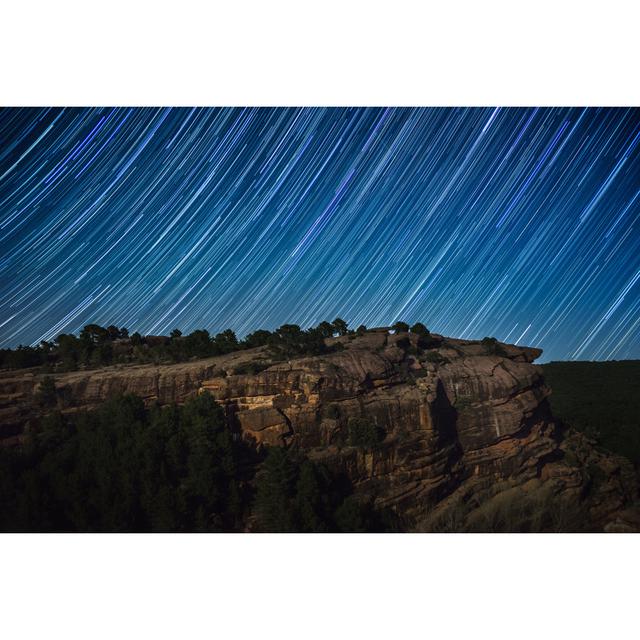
(98, 346)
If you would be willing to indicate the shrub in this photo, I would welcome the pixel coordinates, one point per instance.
(493, 347)
(136, 339)
(340, 327)
(332, 411)
(435, 357)
(250, 368)
(420, 329)
(597, 477)
(257, 339)
(364, 433)
(46, 395)
(326, 329)
(428, 342)
(462, 404)
(571, 459)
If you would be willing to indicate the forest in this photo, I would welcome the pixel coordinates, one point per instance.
(600, 399)
(126, 468)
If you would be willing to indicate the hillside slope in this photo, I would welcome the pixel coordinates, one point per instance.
(458, 435)
(599, 399)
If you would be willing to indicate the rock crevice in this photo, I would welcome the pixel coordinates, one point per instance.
(462, 426)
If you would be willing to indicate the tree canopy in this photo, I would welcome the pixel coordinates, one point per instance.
(98, 346)
(125, 467)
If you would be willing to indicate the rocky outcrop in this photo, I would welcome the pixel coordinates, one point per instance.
(468, 430)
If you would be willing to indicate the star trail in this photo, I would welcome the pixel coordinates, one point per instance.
(523, 224)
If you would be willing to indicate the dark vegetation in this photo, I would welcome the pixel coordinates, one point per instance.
(297, 495)
(511, 510)
(600, 399)
(126, 467)
(98, 346)
(364, 433)
(492, 347)
(435, 358)
(123, 467)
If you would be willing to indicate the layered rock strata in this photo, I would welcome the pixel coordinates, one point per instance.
(467, 425)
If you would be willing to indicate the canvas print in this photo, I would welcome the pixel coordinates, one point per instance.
(319, 320)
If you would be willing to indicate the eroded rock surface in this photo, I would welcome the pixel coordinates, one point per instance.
(468, 428)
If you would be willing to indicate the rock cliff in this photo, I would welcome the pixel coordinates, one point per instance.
(469, 439)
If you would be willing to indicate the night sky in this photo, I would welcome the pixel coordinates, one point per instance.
(522, 224)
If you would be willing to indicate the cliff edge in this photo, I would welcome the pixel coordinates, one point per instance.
(466, 437)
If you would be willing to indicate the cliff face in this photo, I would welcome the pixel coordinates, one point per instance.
(468, 428)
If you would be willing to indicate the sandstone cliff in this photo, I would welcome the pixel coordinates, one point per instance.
(469, 437)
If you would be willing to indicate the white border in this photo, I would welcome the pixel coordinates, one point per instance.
(400, 52)
(319, 587)
(329, 52)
